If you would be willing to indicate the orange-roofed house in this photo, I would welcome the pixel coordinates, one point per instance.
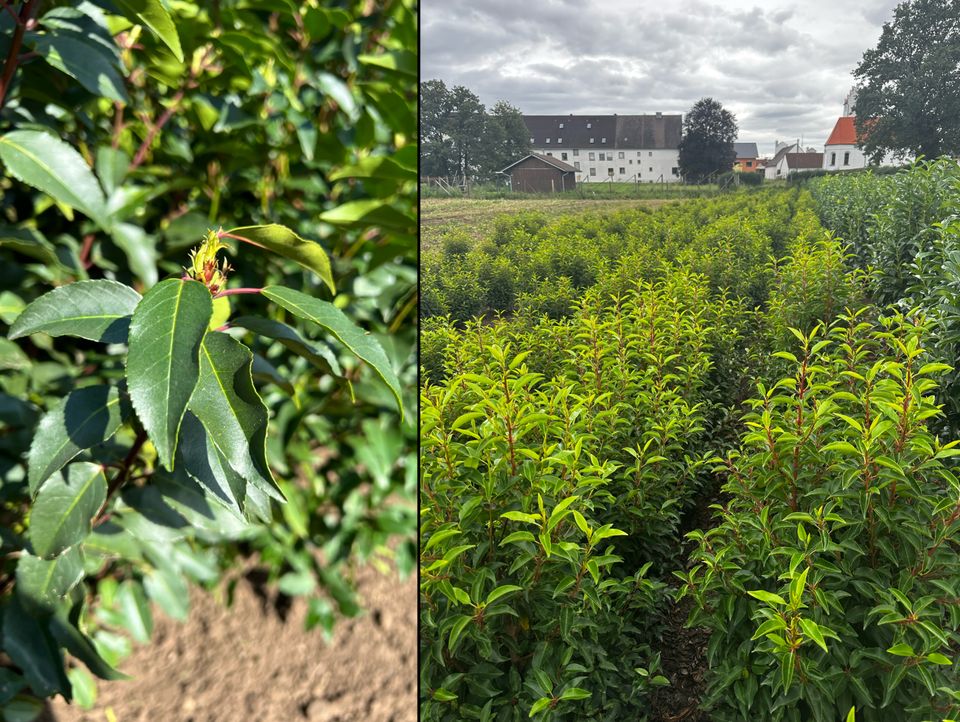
(840, 152)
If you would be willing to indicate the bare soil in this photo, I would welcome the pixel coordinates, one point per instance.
(253, 662)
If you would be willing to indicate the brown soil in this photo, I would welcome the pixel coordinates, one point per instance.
(253, 662)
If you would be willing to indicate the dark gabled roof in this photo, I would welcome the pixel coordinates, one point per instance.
(746, 150)
(653, 132)
(778, 156)
(548, 159)
(804, 161)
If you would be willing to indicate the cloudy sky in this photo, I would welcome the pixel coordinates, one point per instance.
(782, 67)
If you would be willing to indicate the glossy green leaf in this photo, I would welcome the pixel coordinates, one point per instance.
(228, 405)
(83, 59)
(576, 693)
(96, 310)
(284, 242)
(163, 362)
(52, 166)
(86, 417)
(331, 318)
(43, 583)
(768, 597)
(287, 335)
(140, 250)
(63, 512)
(83, 686)
(901, 650)
(134, 611)
(375, 167)
(205, 464)
(368, 212)
(811, 630)
(31, 647)
(154, 15)
(81, 647)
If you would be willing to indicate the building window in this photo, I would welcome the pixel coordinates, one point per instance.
(563, 156)
(576, 164)
(650, 153)
(591, 141)
(589, 125)
(623, 171)
(603, 156)
(651, 170)
(550, 154)
(620, 155)
(639, 153)
(603, 140)
(675, 171)
(548, 141)
(593, 171)
(559, 141)
(561, 126)
(749, 164)
(591, 155)
(531, 141)
(609, 171)
(631, 162)
(846, 158)
(833, 159)
(576, 152)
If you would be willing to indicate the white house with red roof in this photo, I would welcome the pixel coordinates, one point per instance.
(840, 152)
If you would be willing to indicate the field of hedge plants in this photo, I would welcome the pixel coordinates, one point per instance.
(739, 409)
(208, 305)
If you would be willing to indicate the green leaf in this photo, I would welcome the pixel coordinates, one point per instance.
(852, 715)
(134, 611)
(47, 163)
(374, 167)
(319, 354)
(140, 250)
(42, 584)
(96, 310)
(204, 463)
(540, 705)
(229, 407)
(85, 418)
(82, 59)
(444, 695)
(31, 647)
(81, 647)
(332, 319)
(500, 591)
(459, 624)
(368, 212)
(83, 686)
(284, 242)
(576, 693)
(938, 658)
(902, 650)
(768, 597)
(63, 513)
(811, 630)
(163, 363)
(154, 15)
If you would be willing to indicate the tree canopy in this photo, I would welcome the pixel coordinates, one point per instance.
(706, 148)
(908, 99)
(460, 138)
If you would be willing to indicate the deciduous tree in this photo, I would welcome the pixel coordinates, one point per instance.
(706, 148)
(908, 99)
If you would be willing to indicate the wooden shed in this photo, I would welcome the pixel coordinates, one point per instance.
(537, 173)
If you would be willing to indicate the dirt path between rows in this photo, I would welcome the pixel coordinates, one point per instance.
(247, 664)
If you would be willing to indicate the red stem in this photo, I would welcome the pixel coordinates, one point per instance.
(162, 121)
(10, 67)
(85, 250)
(239, 238)
(237, 291)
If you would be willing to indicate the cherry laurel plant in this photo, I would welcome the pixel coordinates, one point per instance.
(831, 580)
(194, 450)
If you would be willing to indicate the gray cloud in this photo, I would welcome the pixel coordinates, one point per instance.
(782, 68)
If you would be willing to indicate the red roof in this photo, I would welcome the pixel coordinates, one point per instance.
(844, 132)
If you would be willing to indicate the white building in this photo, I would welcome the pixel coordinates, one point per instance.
(622, 148)
(841, 152)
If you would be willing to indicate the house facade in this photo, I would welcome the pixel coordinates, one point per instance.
(791, 158)
(622, 148)
(747, 157)
(840, 152)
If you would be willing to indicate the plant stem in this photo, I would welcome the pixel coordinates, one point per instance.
(124, 473)
(240, 238)
(13, 59)
(152, 133)
(237, 292)
(85, 250)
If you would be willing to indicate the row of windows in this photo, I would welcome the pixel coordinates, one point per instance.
(609, 154)
(590, 156)
(623, 171)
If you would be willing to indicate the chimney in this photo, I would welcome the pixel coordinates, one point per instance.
(659, 114)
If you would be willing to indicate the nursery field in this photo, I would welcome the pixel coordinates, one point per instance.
(696, 462)
(477, 217)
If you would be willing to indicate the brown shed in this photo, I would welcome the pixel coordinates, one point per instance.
(537, 173)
